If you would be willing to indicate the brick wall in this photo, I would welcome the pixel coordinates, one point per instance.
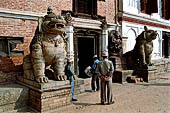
(50, 100)
(6, 78)
(107, 9)
(24, 28)
(38, 6)
(16, 28)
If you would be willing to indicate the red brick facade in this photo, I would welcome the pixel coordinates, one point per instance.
(107, 9)
(16, 28)
(37, 6)
(25, 28)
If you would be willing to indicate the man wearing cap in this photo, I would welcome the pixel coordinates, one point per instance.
(105, 71)
(95, 78)
(70, 76)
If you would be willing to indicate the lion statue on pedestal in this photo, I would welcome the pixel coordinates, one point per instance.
(47, 49)
(140, 56)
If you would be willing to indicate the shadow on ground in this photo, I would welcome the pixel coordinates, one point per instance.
(86, 104)
(155, 84)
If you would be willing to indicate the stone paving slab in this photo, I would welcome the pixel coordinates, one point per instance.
(152, 97)
(13, 96)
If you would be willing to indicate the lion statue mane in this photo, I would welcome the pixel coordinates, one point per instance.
(47, 49)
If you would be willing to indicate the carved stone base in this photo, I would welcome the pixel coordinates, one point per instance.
(13, 97)
(48, 96)
(120, 76)
(146, 75)
(54, 94)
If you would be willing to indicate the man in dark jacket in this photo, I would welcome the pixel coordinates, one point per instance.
(105, 71)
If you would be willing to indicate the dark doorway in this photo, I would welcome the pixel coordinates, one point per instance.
(166, 45)
(86, 51)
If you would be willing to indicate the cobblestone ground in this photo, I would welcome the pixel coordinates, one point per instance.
(152, 97)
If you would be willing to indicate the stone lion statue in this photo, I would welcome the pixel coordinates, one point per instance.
(140, 56)
(47, 49)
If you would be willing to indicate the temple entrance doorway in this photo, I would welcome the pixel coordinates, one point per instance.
(86, 44)
(85, 54)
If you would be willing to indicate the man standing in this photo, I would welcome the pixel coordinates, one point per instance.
(95, 78)
(70, 76)
(105, 71)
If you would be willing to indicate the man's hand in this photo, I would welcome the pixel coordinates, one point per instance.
(74, 77)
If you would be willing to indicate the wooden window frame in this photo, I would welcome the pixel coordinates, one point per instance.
(165, 9)
(92, 14)
(10, 45)
(145, 6)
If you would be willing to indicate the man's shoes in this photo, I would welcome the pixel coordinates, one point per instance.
(73, 99)
(111, 102)
(93, 90)
(103, 103)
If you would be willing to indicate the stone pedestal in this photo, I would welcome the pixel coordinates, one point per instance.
(13, 97)
(119, 62)
(48, 96)
(120, 76)
(146, 74)
(54, 94)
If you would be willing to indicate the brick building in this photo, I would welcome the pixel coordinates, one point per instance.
(18, 21)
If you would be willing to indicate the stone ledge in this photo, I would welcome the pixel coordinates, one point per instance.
(52, 95)
(13, 96)
(120, 76)
(41, 87)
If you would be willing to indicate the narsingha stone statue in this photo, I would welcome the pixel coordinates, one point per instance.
(140, 56)
(115, 43)
(47, 49)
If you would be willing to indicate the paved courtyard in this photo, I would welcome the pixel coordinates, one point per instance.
(152, 97)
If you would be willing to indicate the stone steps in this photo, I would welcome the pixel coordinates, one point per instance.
(134, 76)
(13, 97)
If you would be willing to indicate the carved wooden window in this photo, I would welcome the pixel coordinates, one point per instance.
(85, 7)
(165, 9)
(8, 45)
(149, 6)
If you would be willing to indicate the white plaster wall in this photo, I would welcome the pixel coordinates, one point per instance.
(131, 40)
(134, 7)
(131, 9)
(131, 6)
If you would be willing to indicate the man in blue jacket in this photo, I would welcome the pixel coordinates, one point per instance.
(95, 78)
(70, 76)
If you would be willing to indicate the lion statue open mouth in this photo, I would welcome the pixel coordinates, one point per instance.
(47, 49)
(140, 56)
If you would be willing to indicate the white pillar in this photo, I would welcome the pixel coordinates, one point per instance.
(70, 45)
(104, 40)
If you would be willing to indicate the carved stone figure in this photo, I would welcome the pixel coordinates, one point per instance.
(68, 19)
(47, 49)
(140, 56)
(104, 24)
(114, 43)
